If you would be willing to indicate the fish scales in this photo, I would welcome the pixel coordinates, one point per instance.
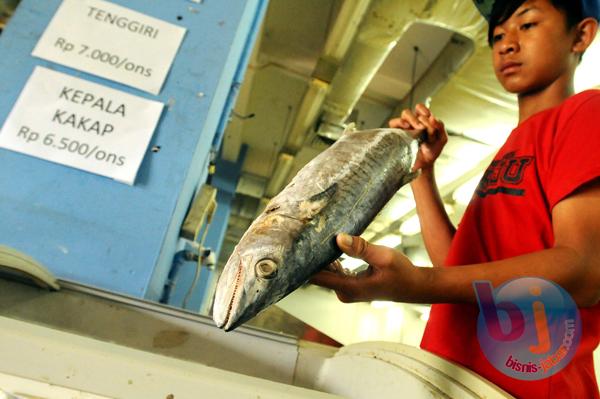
(340, 190)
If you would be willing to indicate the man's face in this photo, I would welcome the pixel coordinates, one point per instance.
(532, 49)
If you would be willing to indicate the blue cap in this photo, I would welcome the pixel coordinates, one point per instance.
(591, 8)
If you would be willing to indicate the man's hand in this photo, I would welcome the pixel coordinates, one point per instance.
(391, 275)
(422, 121)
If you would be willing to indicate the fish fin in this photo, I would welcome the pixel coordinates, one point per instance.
(409, 177)
(308, 209)
(350, 128)
(328, 193)
(272, 208)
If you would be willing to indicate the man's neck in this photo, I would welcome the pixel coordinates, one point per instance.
(548, 97)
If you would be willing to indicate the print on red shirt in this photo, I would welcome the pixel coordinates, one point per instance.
(503, 174)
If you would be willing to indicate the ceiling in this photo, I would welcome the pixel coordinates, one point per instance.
(287, 56)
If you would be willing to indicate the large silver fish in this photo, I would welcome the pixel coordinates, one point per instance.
(340, 190)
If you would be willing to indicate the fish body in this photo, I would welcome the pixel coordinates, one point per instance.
(340, 190)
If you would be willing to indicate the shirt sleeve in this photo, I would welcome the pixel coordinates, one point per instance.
(575, 153)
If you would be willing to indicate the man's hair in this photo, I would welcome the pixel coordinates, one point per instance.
(503, 9)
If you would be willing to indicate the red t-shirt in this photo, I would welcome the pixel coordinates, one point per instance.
(543, 161)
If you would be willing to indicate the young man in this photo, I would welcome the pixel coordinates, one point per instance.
(541, 219)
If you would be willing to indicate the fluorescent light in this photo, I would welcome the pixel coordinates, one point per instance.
(368, 326)
(395, 318)
(381, 304)
(411, 226)
(399, 206)
(352, 263)
(586, 75)
(418, 256)
(424, 311)
(494, 135)
(367, 235)
(463, 194)
(390, 240)
(280, 174)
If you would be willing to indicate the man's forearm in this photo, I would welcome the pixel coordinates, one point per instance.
(436, 227)
(563, 266)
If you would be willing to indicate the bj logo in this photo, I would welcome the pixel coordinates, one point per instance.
(528, 328)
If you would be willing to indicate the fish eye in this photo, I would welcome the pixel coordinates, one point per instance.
(266, 269)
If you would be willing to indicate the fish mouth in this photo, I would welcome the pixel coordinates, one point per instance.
(227, 297)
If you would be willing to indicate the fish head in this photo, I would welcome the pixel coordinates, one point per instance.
(265, 265)
(253, 278)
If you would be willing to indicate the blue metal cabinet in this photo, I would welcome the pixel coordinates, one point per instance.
(186, 281)
(94, 230)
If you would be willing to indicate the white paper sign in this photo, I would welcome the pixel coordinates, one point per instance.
(81, 124)
(111, 41)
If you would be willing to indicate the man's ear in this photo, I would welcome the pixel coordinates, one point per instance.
(586, 32)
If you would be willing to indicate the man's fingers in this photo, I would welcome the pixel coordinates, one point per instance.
(346, 298)
(358, 247)
(394, 122)
(346, 288)
(332, 280)
(398, 123)
(439, 125)
(430, 132)
(435, 129)
(404, 124)
(421, 109)
(335, 266)
(411, 119)
(429, 124)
